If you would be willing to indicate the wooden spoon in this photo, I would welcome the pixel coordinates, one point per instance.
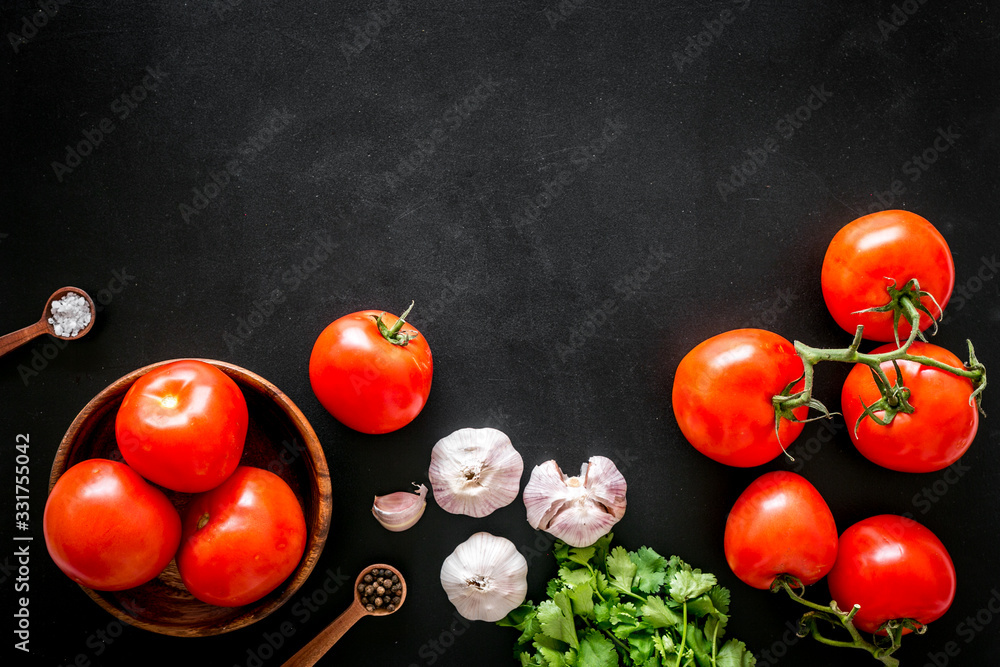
(311, 653)
(21, 336)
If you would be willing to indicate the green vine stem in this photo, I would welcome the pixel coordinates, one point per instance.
(831, 614)
(894, 394)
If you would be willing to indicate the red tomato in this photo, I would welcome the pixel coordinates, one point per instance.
(940, 429)
(242, 539)
(780, 525)
(368, 383)
(894, 568)
(722, 396)
(183, 426)
(869, 254)
(107, 528)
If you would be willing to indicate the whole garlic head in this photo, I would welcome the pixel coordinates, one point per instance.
(485, 577)
(577, 510)
(475, 471)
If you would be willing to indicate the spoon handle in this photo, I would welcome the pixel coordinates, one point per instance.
(311, 653)
(18, 338)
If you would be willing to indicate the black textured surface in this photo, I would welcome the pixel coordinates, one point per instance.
(557, 187)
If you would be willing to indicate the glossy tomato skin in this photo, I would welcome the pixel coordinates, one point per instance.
(242, 539)
(780, 525)
(366, 382)
(895, 568)
(107, 528)
(722, 396)
(183, 426)
(940, 429)
(871, 252)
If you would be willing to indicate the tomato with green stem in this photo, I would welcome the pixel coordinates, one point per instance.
(896, 570)
(723, 396)
(780, 526)
(886, 270)
(373, 375)
(911, 416)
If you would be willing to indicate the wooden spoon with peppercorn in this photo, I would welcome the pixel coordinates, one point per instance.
(378, 591)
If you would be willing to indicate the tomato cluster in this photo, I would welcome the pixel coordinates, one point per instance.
(781, 533)
(182, 426)
(741, 397)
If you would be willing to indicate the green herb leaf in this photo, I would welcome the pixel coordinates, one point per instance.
(596, 650)
(687, 584)
(651, 570)
(621, 569)
(656, 612)
(556, 617)
(734, 653)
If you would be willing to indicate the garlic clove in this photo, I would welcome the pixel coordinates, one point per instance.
(400, 510)
(577, 510)
(485, 577)
(475, 471)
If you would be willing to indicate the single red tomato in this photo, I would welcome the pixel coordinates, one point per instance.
(939, 430)
(780, 525)
(895, 569)
(872, 253)
(183, 426)
(107, 528)
(722, 396)
(242, 539)
(372, 382)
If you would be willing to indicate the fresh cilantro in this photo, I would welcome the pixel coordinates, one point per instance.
(609, 607)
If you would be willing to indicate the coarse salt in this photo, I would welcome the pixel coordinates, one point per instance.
(70, 315)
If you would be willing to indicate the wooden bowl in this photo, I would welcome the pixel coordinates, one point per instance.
(279, 439)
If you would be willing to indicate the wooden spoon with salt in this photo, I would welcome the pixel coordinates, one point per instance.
(21, 336)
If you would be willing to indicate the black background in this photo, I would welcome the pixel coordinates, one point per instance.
(516, 309)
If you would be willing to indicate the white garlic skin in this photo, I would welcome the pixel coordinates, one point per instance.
(486, 577)
(475, 471)
(577, 510)
(400, 510)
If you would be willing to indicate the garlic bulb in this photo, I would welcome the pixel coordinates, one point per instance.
(577, 510)
(485, 577)
(400, 510)
(474, 471)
